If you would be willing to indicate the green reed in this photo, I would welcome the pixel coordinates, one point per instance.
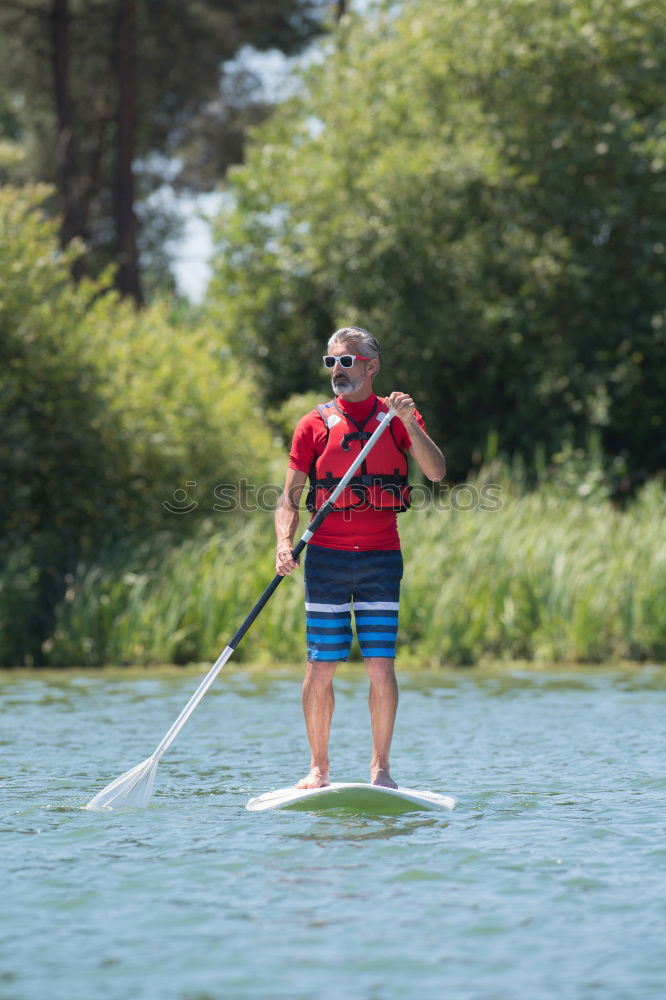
(544, 578)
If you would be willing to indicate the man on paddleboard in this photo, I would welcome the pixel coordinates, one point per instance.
(354, 558)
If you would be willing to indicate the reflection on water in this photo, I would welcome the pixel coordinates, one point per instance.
(339, 825)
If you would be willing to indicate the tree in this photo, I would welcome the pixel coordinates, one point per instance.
(106, 413)
(483, 186)
(110, 88)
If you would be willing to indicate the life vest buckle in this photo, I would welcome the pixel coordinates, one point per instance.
(354, 436)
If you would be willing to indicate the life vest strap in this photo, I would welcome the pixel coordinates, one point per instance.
(329, 481)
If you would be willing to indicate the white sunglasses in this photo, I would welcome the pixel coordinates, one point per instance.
(345, 360)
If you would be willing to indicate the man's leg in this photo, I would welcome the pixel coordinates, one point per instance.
(318, 704)
(383, 708)
(328, 636)
(376, 607)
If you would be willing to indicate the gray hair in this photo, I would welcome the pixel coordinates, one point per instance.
(362, 340)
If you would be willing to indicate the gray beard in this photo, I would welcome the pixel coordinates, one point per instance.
(346, 385)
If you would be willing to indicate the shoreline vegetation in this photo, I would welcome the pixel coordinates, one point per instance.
(543, 579)
(497, 221)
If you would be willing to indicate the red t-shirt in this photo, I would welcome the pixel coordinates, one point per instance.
(364, 530)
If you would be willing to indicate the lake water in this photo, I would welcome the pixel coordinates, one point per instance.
(547, 881)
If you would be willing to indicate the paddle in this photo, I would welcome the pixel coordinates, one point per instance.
(134, 787)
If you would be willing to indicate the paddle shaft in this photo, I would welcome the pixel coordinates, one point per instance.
(313, 526)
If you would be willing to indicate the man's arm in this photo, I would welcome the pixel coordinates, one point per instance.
(286, 520)
(423, 449)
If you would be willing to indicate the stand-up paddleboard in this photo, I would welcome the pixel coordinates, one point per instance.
(354, 797)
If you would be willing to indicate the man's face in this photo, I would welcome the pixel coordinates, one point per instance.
(346, 380)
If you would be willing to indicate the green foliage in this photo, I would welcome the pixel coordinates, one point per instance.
(482, 185)
(290, 412)
(106, 413)
(52, 437)
(546, 577)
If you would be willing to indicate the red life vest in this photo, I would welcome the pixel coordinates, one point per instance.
(381, 481)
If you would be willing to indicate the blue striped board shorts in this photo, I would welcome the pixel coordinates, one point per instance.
(336, 580)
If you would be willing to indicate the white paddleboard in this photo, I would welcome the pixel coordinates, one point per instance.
(354, 797)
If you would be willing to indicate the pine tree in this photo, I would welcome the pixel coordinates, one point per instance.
(110, 92)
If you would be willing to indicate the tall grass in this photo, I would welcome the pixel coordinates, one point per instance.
(545, 578)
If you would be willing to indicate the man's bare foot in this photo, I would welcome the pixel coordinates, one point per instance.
(383, 778)
(317, 778)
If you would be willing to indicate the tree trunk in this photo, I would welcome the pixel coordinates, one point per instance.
(127, 280)
(340, 9)
(68, 181)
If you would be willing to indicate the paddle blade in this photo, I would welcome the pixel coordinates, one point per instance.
(133, 788)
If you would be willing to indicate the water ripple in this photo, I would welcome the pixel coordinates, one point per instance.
(547, 881)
